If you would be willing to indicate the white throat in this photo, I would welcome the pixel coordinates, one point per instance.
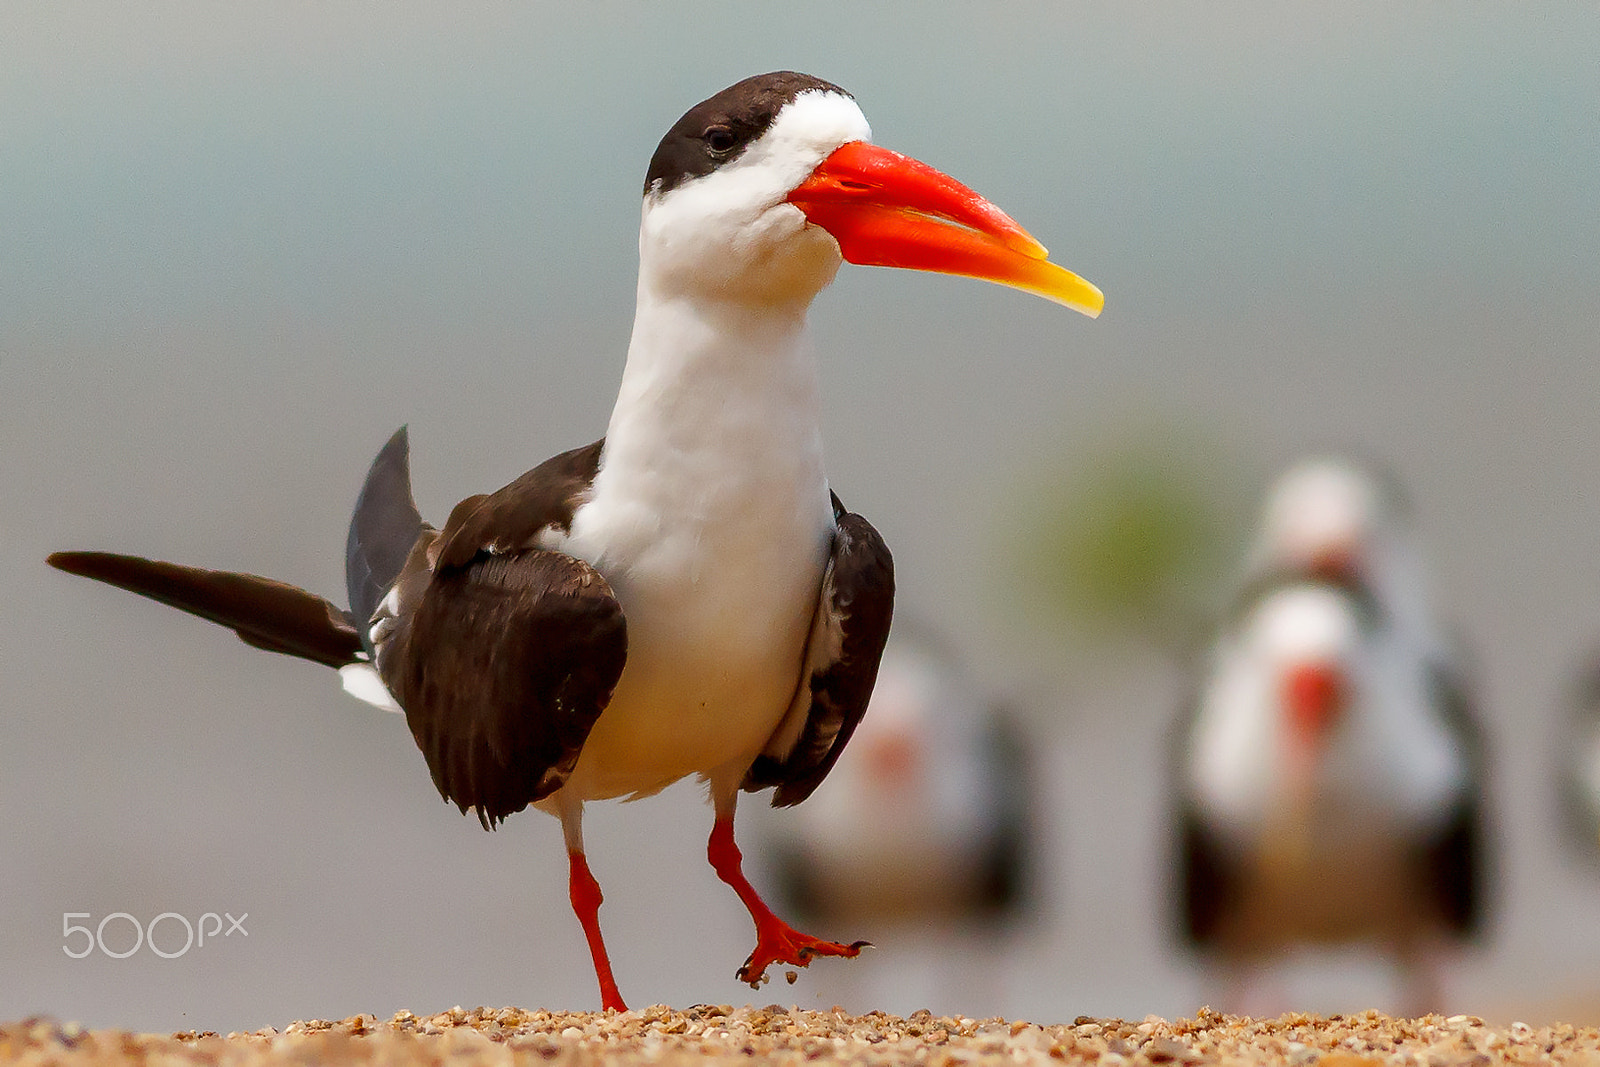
(717, 420)
(710, 517)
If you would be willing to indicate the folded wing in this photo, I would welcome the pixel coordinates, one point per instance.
(848, 633)
(502, 654)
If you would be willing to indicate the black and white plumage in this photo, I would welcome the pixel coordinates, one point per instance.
(685, 596)
(928, 820)
(1330, 775)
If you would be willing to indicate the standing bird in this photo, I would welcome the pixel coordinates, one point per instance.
(923, 834)
(685, 596)
(1330, 776)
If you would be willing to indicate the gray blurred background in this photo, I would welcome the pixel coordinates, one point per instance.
(240, 245)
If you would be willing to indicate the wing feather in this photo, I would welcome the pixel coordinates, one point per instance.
(383, 529)
(502, 670)
(503, 654)
(1456, 862)
(848, 633)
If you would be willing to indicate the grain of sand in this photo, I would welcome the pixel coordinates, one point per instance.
(718, 1035)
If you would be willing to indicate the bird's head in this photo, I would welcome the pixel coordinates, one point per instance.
(760, 192)
(1334, 519)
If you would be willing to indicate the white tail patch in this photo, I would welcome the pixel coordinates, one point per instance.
(361, 681)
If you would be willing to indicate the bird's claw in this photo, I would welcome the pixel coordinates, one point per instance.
(793, 948)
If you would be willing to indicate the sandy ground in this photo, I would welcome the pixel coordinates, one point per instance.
(709, 1034)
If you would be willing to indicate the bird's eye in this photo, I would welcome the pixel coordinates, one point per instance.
(719, 139)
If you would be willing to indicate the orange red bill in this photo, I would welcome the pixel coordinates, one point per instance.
(889, 210)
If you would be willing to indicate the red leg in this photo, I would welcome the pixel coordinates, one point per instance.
(776, 941)
(585, 892)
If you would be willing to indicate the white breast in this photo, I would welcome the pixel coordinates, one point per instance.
(1392, 765)
(711, 520)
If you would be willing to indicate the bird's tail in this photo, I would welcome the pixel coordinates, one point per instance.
(275, 615)
(265, 613)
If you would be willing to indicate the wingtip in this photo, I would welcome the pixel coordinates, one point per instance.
(399, 441)
(384, 526)
(74, 562)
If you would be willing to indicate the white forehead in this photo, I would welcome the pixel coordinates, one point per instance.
(1322, 501)
(817, 120)
(1301, 623)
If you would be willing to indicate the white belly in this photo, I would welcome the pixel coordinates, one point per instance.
(718, 615)
(710, 517)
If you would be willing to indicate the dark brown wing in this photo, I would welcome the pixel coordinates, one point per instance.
(503, 654)
(1008, 862)
(502, 669)
(841, 663)
(265, 613)
(513, 517)
(1203, 882)
(1456, 862)
(1206, 880)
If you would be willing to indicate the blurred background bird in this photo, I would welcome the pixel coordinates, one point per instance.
(1330, 776)
(923, 838)
(1577, 763)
